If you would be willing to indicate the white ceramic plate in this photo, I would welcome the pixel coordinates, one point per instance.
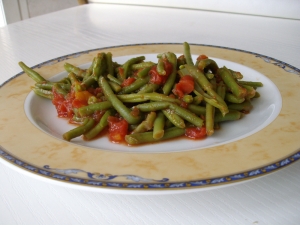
(261, 142)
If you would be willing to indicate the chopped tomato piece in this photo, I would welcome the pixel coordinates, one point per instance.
(95, 91)
(63, 104)
(156, 78)
(128, 81)
(117, 128)
(81, 99)
(184, 86)
(202, 57)
(195, 132)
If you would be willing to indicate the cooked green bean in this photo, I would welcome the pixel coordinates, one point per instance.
(145, 125)
(142, 65)
(148, 88)
(147, 96)
(160, 67)
(144, 72)
(117, 103)
(208, 64)
(31, 73)
(174, 118)
(187, 53)
(244, 106)
(99, 127)
(251, 83)
(109, 63)
(231, 115)
(42, 92)
(137, 84)
(114, 79)
(238, 91)
(147, 137)
(158, 125)
(74, 69)
(90, 109)
(127, 65)
(78, 131)
(172, 77)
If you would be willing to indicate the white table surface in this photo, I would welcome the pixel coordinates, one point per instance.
(272, 199)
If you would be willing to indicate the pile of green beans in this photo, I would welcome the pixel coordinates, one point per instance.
(153, 111)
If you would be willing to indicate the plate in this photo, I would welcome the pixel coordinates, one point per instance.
(260, 143)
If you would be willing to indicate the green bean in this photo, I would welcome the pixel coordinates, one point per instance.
(109, 63)
(197, 109)
(127, 65)
(142, 65)
(90, 109)
(168, 123)
(250, 91)
(187, 115)
(31, 73)
(147, 96)
(180, 61)
(100, 66)
(148, 88)
(209, 119)
(233, 86)
(92, 100)
(74, 69)
(231, 115)
(78, 131)
(187, 53)
(160, 67)
(60, 90)
(174, 118)
(42, 92)
(251, 83)
(44, 85)
(208, 64)
(145, 125)
(153, 106)
(49, 85)
(144, 72)
(232, 98)
(114, 79)
(147, 137)
(172, 77)
(257, 95)
(158, 125)
(188, 98)
(221, 89)
(115, 87)
(209, 75)
(197, 99)
(138, 83)
(117, 103)
(236, 75)
(244, 106)
(99, 127)
(210, 112)
(89, 71)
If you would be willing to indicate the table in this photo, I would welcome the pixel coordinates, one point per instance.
(271, 199)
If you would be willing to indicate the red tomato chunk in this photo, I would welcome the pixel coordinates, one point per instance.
(195, 132)
(117, 128)
(184, 86)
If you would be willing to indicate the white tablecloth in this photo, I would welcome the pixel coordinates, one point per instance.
(272, 199)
